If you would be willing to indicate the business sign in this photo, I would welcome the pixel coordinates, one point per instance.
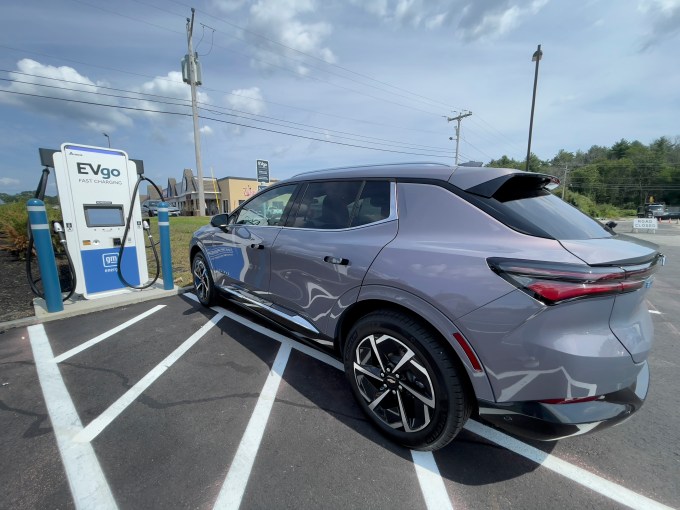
(262, 170)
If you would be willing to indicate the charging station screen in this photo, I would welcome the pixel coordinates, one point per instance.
(104, 216)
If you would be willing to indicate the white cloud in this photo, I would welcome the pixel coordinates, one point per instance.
(33, 79)
(8, 181)
(664, 17)
(206, 131)
(280, 21)
(430, 14)
(229, 5)
(245, 101)
(169, 86)
(490, 19)
(477, 19)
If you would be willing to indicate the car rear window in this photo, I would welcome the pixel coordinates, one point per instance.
(522, 203)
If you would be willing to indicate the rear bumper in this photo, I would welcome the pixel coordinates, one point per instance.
(549, 422)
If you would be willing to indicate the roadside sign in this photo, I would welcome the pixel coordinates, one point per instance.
(262, 170)
(645, 223)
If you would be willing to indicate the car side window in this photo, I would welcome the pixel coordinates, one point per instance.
(265, 209)
(327, 205)
(373, 204)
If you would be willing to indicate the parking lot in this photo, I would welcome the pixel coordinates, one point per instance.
(167, 404)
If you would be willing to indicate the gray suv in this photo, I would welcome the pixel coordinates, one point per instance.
(445, 292)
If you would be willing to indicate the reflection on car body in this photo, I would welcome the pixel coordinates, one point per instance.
(445, 290)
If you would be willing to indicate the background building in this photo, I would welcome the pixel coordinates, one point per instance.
(221, 195)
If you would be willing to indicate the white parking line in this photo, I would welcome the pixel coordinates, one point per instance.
(85, 476)
(431, 483)
(106, 335)
(103, 420)
(234, 485)
(581, 476)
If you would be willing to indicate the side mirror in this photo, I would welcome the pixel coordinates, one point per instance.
(611, 224)
(219, 221)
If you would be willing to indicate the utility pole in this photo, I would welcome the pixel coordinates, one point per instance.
(564, 184)
(194, 110)
(458, 119)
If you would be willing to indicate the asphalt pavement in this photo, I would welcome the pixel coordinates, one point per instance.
(166, 404)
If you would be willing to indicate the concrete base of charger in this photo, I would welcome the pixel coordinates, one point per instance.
(76, 305)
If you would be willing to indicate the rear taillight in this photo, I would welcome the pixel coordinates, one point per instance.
(552, 283)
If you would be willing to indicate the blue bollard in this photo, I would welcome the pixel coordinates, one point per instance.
(166, 254)
(40, 228)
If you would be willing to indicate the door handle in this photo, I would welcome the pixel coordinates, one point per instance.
(336, 260)
(257, 246)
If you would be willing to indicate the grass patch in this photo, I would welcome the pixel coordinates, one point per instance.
(181, 231)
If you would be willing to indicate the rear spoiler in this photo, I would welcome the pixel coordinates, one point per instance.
(523, 180)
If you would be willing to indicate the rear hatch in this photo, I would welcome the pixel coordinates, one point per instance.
(630, 320)
(523, 202)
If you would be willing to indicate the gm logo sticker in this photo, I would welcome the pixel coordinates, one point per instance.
(110, 259)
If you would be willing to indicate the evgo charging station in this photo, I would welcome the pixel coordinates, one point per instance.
(95, 187)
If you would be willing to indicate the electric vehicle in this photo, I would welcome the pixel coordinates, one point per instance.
(445, 291)
(150, 208)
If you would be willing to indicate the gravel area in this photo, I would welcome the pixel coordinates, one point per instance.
(16, 298)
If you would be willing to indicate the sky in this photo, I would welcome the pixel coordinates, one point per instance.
(310, 84)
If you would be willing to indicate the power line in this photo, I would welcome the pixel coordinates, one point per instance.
(285, 69)
(218, 120)
(299, 108)
(278, 43)
(224, 111)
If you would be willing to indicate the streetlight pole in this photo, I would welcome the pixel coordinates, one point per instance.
(538, 54)
(108, 139)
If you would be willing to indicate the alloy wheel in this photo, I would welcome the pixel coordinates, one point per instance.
(394, 382)
(201, 279)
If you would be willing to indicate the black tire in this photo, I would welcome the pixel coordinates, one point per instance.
(203, 282)
(650, 215)
(397, 368)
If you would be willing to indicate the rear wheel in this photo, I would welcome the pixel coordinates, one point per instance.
(405, 381)
(203, 282)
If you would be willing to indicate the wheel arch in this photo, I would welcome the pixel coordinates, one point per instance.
(378, 297)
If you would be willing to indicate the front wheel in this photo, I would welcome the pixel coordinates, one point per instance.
(405, 381)
(203, 282)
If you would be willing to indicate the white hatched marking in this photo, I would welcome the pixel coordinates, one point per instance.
(103, 420)
(85, 476)
(105, 335)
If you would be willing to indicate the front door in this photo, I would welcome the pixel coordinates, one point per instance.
(240, 253)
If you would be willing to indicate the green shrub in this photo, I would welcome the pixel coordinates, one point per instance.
(14, 228)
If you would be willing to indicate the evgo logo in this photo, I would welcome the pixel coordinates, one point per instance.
(110, 259)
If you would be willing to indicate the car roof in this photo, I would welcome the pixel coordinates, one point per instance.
(464, 177)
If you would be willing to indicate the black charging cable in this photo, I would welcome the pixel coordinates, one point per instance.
(148, 232)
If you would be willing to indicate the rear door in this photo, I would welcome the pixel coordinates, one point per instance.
(335, 231)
